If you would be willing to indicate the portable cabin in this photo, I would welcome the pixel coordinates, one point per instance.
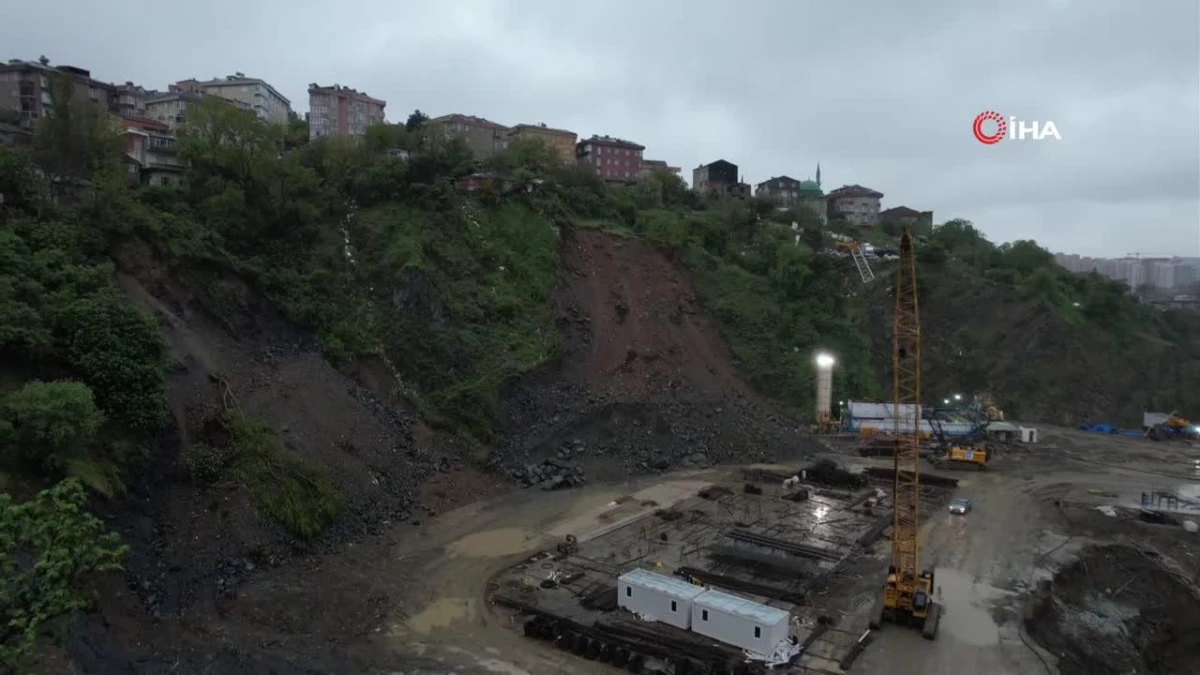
(734, 620)
(657, 596)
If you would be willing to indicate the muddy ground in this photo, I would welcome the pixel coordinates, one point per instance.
(646, 387)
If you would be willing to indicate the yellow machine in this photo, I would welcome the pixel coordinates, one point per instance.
(827, 424)
(964, 457)
(988, 405)
(908, 590)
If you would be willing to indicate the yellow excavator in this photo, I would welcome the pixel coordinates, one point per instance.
(908, 590)
(987, 406)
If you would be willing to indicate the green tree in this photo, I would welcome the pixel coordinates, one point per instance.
(296, 134)
(77, 140)
(48, 546)
(415, 120)
(45, 425)
(222, 141)
(17, 184)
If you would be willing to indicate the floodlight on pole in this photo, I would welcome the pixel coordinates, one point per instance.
(824, 384)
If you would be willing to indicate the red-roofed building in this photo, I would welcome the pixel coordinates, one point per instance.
(614, 158)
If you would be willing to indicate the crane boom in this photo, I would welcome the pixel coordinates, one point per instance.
(908, 590)
(906, 397)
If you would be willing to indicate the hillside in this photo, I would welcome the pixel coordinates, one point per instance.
(1052, 346)
(293, 353)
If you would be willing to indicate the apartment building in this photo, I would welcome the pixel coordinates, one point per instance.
(720, 177)
(649, 165)
(341, 111)
(132, 98)
(171, 109)
(783, 189)
(615, 159)
(857, 204)
(25, 89)
(561, 140)
(150, 154)
(246, 92)
(917, 222)
(484, 137)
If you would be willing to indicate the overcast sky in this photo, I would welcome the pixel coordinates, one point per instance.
(881, 93)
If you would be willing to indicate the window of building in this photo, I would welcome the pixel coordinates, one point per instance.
(629, 591)
(704, 615)
(674, 606)
(757, 632)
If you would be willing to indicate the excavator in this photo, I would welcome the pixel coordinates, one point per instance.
(908, 590)
(960, 456)
(987, 406)
(1174, 428)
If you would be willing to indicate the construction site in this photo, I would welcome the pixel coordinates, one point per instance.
(1050, 556)
(651, 512)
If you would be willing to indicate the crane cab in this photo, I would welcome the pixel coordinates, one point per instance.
(909, 604)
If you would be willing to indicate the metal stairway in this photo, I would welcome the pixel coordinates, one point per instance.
(864, 268)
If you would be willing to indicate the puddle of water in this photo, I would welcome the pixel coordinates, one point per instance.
(492, 543)
(440, 614)
(965, 608)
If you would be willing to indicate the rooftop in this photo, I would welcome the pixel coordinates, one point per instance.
(671, 586)
(315, 88)
(899, 211)
(542, 127)
(855, 191)
(611, 140)
(467, 119)
(738, 606)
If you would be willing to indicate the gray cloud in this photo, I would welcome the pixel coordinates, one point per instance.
(881, 93)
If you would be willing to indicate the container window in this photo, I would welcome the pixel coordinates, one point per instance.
(704, 615)
(674, 606)
(629, 591)
(757, 632)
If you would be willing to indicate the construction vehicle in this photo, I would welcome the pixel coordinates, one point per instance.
(961, 456)
(908, 590)
(987, 407)
(827, 424)
(1174, 428)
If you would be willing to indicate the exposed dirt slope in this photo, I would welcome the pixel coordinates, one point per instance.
(193, 547)
(646, 380)
(633, 323)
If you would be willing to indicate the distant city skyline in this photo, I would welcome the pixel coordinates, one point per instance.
(1159, 271)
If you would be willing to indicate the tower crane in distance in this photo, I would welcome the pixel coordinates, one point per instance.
(908, 591)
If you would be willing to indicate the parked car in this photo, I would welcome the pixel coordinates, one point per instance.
(960, 505)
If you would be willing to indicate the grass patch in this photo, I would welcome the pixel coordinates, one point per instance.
(285, 489)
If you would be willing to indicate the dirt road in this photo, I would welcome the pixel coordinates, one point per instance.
(987, 562)
(983, 563)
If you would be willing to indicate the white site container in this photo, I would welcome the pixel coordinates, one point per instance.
(743, 623)
(657, 596)
(1029, 435)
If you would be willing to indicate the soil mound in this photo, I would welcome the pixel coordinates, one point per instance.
(1118, 610)
(632, 320)
(646, 381)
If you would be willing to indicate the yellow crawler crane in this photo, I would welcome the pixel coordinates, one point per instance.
(908, 590)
